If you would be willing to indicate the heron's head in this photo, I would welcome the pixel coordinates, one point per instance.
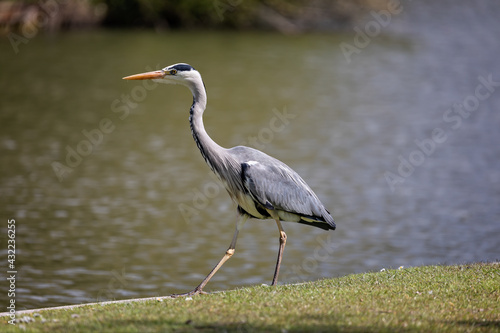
(174, 74)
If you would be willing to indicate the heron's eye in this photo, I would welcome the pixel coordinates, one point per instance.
(173, 71)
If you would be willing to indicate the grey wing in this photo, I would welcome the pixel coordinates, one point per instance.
(278, 187)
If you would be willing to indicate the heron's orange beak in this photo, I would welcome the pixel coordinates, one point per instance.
(146, 76)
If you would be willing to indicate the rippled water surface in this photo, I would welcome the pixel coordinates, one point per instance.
(401, 143)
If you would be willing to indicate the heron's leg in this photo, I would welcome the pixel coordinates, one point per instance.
(229, 253)
(280, 252)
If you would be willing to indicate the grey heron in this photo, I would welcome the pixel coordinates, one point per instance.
(262, 186)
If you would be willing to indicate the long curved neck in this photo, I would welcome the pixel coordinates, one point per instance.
(215, 155)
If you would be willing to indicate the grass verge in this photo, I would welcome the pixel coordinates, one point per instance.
(461, 298)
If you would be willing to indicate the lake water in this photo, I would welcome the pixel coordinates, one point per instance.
(399, 138)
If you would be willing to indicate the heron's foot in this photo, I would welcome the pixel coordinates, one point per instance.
(196, 291)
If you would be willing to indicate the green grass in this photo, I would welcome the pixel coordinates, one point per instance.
(461, 298)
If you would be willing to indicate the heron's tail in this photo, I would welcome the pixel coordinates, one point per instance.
(322, 225)
(325, 222)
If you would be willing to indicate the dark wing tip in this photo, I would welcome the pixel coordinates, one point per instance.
(324, 222)
(321, 225)
(331, 223)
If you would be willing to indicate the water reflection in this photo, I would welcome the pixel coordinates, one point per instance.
(113, 227)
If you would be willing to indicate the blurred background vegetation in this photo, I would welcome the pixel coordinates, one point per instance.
(286, 16)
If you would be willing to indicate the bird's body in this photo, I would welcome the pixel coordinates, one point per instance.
(262, 186)
(281, 190)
